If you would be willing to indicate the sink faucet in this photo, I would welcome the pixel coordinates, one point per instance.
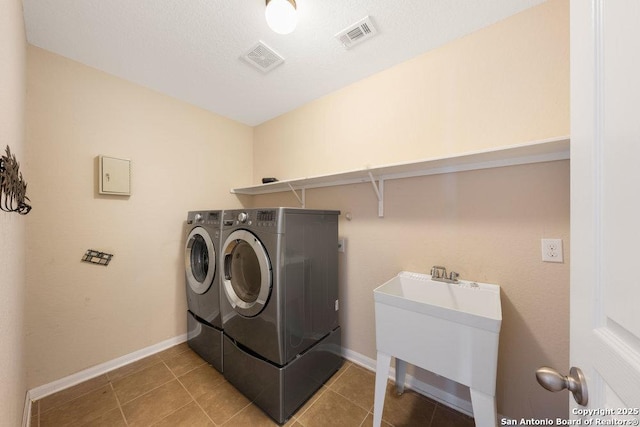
(439, 273)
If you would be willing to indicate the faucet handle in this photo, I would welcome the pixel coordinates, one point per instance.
(438, 272)
(453, 276)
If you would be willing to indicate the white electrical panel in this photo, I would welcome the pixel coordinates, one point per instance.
(114, 176)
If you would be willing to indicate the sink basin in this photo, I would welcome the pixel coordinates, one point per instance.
(451, 329)
(470, 303)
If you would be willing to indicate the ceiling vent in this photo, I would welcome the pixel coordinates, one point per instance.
(357, 33)
(263, 57)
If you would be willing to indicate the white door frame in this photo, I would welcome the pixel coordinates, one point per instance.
(605, 203)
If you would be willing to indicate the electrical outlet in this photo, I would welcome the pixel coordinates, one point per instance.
(552, 250)
(341, 245)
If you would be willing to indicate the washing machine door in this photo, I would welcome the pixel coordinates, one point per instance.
(247, 273)
(199, 260)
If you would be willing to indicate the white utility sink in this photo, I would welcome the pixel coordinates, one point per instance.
(451, 329)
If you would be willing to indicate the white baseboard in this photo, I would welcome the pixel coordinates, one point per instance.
(103, 368)
(434, 393)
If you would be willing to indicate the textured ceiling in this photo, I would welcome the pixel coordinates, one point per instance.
(191, 49)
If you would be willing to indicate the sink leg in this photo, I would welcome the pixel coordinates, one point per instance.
(401, 373)
(382, 374)
(484, 409)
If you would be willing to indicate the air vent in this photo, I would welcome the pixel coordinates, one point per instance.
(263, 57)
(357, 33)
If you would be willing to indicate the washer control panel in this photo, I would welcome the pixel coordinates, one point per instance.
(204, 217)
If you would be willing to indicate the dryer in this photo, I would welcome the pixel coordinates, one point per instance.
(279, 304)
(204, 323)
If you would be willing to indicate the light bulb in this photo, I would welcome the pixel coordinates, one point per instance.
(281, 15)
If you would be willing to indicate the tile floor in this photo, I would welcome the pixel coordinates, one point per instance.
(177, 388)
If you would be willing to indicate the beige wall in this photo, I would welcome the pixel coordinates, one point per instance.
(12, 226)
(183, 158)
(503, 85)
(506, 84)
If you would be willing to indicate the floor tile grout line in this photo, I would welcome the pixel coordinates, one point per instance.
(345, 397)
(193, 399)
(324, 390)
(160, 360)
(351, 401)
(175, 377)
(433, 415)
(171, 413)
(120, 405)
(108, 384)
(126, 422)
(237, 413)
(363, 421)
(349, 366)
(106, 411)
(70, 400)
(132, 372)
(172, 356)
(148, 391)
(335, 380)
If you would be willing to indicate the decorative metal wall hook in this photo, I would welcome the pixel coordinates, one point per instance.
(13, 189)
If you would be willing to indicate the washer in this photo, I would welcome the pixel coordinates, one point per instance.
(279, 304)
(204, 323)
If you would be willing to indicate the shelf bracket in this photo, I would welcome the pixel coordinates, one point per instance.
(295, 193)
(379, 190)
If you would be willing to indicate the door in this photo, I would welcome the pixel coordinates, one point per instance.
(200, 260)
(247, 273)
(605, 205)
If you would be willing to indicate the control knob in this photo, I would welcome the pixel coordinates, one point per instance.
(198, 217)
(242, 217)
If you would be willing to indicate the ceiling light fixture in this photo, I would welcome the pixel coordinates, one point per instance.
(281, 15)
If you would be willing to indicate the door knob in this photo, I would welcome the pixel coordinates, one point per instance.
(575, 382)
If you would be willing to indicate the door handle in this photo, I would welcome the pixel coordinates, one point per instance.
(575, 382)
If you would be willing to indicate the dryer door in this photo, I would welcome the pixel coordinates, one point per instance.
(247, 273)
(199, 260)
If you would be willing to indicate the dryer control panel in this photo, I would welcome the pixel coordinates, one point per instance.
(266, 218)
(234, 218)
(251, 218)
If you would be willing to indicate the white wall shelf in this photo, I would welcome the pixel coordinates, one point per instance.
(533, 152)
